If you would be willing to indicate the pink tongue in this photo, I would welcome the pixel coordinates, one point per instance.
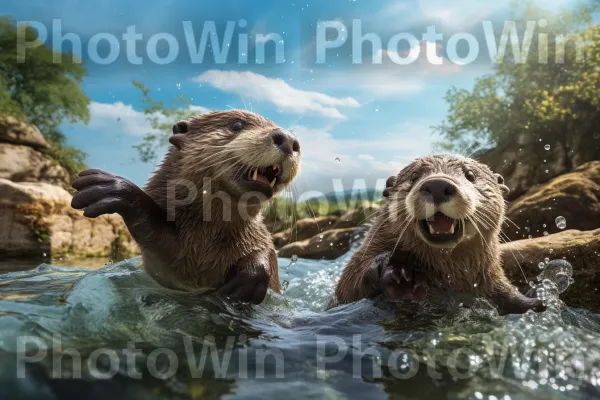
(441, 223)
(263, 179)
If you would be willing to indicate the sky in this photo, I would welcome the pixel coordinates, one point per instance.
(355, 120)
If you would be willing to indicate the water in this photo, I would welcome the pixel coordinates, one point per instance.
(136, 340)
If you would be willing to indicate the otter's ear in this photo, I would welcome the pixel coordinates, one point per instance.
(389, 184)
(180, 127)
(179, 131)
(503, 187)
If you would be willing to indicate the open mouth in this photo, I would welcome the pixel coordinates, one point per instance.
(441, 229)
(264, 179)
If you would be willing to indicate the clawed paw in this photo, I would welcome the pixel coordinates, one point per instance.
(99, 193)
(401, 280)
(247, 283)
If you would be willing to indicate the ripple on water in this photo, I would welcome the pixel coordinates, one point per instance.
(449, 347)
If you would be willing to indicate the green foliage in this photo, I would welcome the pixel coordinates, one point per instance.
(42, 89)
(523, 103)
(161, 118)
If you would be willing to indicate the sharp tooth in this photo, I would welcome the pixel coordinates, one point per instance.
(273, 182)
(431, 231)
(255, 175)
(452, 229)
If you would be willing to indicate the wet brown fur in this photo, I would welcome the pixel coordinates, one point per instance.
(472, 266)
(205, 249)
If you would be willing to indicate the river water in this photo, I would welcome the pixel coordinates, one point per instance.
(114, 333)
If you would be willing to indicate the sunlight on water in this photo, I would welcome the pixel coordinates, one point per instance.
(450, 346)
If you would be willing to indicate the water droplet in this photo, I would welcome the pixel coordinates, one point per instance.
(474, 285)
(550, 250)
(544, 225)
(337, 160)
(546, 233)
(541, 265)
(530, 237)
(540, 293)
(561, 222)
(596, 135)
(294, 258)
(547, 147)
(284, 285)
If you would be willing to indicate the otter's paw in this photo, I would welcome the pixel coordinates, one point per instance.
(102, 193)
(400, 280)
(248, 283)
(517, 303)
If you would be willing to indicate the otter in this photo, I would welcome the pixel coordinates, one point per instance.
(198, 221)
(440, 227)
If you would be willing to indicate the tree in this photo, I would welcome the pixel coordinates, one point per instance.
(161, 118)
(534, 104)
(43, 92)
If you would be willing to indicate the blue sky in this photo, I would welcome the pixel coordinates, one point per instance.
(373, 118)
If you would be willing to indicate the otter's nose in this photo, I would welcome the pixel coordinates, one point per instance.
(285, 142)
(437, 190)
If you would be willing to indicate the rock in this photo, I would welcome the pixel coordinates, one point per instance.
(521, 163)
(336, 213)
(24, 164)
(335, 243)
(580, 248)
(574, 196)
(304, 229)
(357, 217)
(37, 218)
(276, 226)
(13, 130)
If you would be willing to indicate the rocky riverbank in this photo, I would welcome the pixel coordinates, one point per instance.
(35, 206)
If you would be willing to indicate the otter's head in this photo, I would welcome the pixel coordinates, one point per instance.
(238, 151)
(447, 199)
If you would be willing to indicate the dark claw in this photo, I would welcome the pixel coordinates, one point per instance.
(102, 193)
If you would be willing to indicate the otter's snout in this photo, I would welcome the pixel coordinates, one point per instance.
(437, 190)
(285, 142)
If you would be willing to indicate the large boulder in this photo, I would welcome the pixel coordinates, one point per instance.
(38, 220)
(329, 245)
(357, 217)
(575, 196)
(25, 164)
(526, 164)
(580, 248)
(14, 130)
(304, 229)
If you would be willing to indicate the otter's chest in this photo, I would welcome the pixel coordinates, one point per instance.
(218, 248)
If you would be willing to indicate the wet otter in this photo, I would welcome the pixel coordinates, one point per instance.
(440, 227)
(198, 221)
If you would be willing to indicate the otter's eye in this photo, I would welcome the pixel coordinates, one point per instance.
(470, 176)
(414, 177)
(237, 126)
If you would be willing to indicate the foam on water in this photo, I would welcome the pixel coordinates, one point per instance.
(451, 346)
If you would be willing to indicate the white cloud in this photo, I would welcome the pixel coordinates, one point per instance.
(123, 118)
(321, 151)
(278, 92)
